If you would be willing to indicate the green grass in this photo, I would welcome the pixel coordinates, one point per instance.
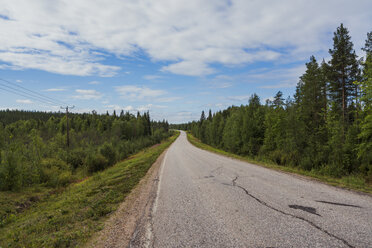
(353, 182)
(69, 217)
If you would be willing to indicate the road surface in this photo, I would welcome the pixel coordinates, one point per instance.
(208, 200)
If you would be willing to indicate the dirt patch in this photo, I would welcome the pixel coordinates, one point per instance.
(121, 225)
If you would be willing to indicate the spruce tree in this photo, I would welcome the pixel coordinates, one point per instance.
(210, 115)
(311, 101)
(310, 94)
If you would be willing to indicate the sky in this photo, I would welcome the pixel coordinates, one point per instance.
(173, 58)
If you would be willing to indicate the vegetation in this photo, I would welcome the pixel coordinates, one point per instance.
(54, 194)
(33, 151)
(325, 129)
(68, 217)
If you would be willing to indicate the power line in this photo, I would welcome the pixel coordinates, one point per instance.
(22, 91)
(28, 96)
(31, 92)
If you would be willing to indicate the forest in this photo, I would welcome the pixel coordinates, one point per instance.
(34, 149)
(326, 127)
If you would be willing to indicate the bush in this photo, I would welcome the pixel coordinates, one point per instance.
(10, 173)
(95, 162)
(76, 158)
(55, 172)
(108, 151)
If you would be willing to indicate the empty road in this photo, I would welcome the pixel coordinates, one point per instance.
(208, 200)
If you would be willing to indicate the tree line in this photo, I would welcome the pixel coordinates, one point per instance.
(33, 148)
(326, 126)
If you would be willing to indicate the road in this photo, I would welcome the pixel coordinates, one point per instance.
(207, 200)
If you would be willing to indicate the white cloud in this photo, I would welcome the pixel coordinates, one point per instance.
(279, 86)
(24, 101)
(19, 81)
(55, 90)
(239, 98)
(132, 109)
(168, 99)
(94, 83)
(152, 77)
(87, 94)
(113, 107)
(189, 68)
(190, 36)
(128, 108)
(221, 82)
(149, 107)
(133, 92)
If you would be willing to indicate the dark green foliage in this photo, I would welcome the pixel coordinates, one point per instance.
(343, 71)
(33, 145)
(326, 128)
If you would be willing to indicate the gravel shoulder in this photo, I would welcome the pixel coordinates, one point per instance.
(123, 223)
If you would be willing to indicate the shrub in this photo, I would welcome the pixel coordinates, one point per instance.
(10, 176)
(95, 162)
(76, 158)
(108, 151)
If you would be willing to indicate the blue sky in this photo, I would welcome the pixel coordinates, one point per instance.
(173, 58)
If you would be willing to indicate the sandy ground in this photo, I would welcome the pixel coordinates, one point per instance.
(122, 224)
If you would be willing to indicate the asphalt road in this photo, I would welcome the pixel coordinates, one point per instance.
(207, 200)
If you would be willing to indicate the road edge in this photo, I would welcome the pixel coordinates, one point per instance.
(123, 224)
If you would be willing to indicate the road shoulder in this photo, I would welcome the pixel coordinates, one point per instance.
(122, 225)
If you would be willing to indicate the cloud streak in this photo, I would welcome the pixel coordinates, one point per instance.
(87, 95)
(133, 92)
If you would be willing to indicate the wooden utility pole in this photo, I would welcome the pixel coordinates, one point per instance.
(67, 126)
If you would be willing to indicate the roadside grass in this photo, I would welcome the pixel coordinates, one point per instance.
(69, 217)
(353, 182)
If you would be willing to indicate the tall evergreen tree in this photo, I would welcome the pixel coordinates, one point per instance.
(310, 94)
(210, 115)
(311, 101)
(344, 70)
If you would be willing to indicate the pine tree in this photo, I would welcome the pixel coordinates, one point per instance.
(344, 70)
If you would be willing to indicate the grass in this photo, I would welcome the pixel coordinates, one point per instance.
(352, 182)
(68, 218)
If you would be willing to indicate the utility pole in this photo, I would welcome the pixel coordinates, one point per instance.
(67, 127)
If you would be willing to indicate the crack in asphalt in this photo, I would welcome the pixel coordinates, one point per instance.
(288, 214)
